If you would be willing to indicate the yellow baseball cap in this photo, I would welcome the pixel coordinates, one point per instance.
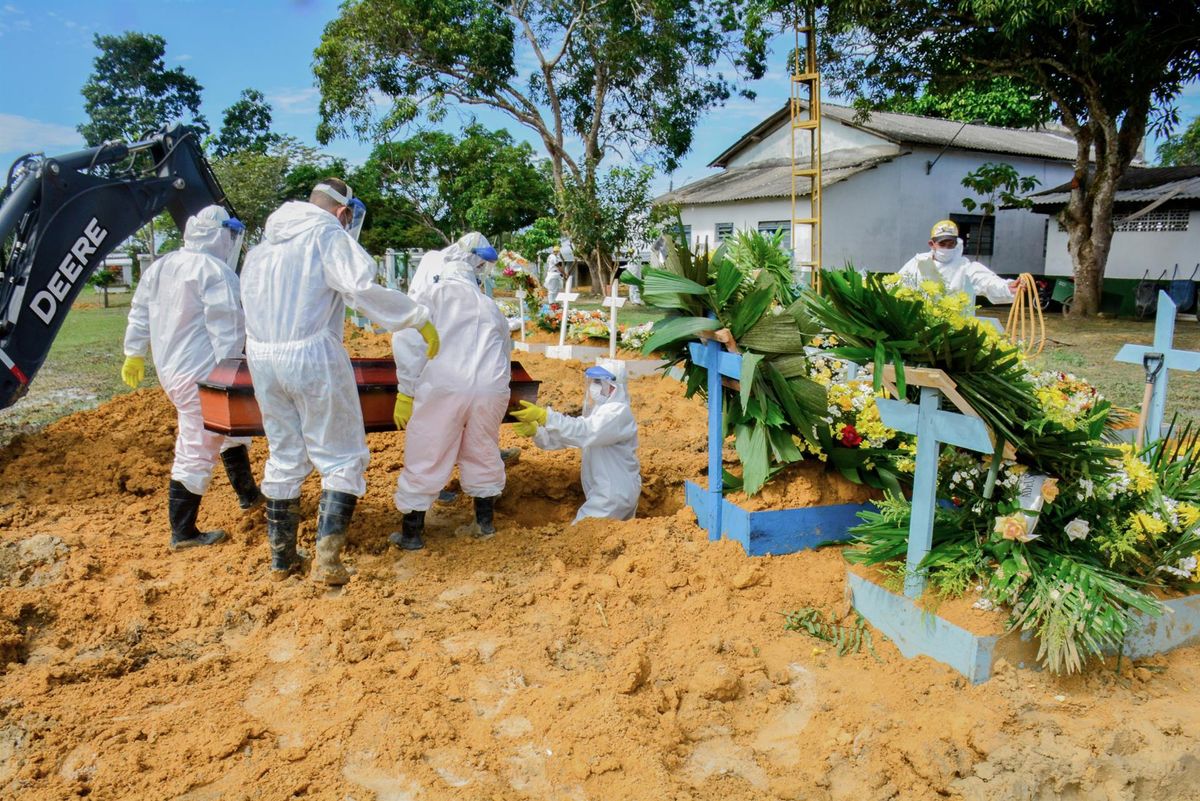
(943, 229)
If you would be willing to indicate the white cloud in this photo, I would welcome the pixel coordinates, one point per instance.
(184, 57)
(294, 101)
(29, 135)
(9, 8)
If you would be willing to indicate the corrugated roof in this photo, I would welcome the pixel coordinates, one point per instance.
(913, 129)
(764, 179)
(1138, 185)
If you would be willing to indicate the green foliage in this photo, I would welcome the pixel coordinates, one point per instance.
(998, 182)
(776, 402)
(246, 125)
(1182, 148)
(543, 233)
(481, 181)
(846, 639)
(998, 101)
(604, 217)
(878, 326)
(131, 92)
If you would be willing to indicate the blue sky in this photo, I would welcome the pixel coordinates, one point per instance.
(46, 54)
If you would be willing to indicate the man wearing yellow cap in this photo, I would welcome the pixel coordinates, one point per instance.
(945, 262)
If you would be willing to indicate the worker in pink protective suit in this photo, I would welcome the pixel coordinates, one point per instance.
(452, 407)
(186, 309)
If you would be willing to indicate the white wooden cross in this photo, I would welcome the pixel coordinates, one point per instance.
(566, 297)
(1170, 359)
(613, 302)
(932, 427)
(521, 295)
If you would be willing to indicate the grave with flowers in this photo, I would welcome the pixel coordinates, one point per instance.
(1040, 536)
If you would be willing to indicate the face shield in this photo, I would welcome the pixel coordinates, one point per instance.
(237, 234)
(358, 214)
(599, 385)
(484, 260)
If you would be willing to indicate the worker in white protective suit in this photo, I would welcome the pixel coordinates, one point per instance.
(187, 311)
(296, 286)
(607, 435)
(451, 407)
(945, 263)
(430, 267)
(555, 275)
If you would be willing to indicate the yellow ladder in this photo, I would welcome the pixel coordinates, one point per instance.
(806, 161)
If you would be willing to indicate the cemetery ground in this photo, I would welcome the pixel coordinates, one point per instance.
(629, 660)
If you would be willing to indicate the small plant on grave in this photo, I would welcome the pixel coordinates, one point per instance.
(845, 638)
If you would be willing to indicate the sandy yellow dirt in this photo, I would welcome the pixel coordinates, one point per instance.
(605, 660)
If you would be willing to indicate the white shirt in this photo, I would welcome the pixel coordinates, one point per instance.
(955, 275)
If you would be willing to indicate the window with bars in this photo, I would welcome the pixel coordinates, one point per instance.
(1157, 221)
(977, 233)
(724, 231)
(773, 227)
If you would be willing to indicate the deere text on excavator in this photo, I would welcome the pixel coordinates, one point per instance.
(60, 217)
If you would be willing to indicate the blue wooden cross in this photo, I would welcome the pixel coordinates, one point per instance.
(932, 427)
(718, 362)
(1164, 337)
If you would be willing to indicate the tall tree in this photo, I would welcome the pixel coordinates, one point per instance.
(482, 181)
(1181, 148)
(1106, 65)
(246, 125)
(609, 217)
(603, 75)
(131, 92)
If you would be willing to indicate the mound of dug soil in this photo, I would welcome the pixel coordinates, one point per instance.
(605, 660)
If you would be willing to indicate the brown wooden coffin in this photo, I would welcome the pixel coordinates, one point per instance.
(228, 405)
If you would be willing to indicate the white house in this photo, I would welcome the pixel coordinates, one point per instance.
(885, 182)
(1156, 220)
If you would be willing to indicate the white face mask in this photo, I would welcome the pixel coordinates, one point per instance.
(947, 255)
(596, 392)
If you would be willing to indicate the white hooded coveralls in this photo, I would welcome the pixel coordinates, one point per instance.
(459, 398)
(954, 275)
(186, 311)
(607, 436)
(555, 277)
(296, 286)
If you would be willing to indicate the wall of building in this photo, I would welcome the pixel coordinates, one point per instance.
(879, 218)
(1134, 252)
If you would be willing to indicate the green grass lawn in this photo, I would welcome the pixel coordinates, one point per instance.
(82, 370)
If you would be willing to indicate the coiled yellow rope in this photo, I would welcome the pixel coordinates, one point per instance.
(1026, 329)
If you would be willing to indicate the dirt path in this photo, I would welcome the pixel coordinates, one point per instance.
(601, 661)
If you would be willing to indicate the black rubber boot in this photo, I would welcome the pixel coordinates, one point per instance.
(241, 477)
(283, 519)
(484, 509)
(332, 521)
(411, 537)
(182, 509)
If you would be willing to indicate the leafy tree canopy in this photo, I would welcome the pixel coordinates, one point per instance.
(246, 125)
(1181, 148)
(131, 93)
(606, 73)
(482, 181)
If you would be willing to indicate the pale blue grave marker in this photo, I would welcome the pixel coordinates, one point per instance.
(932, 427)
(1164, 337)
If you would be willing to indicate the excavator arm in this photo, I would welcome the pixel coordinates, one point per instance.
(60, 217)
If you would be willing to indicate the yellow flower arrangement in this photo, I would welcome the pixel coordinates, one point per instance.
(1141, 480)
(1189, 515)
(1146, 523)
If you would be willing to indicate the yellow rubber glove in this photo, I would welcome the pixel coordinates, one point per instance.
(531, 413)
(133, 372)
(430, 335)
(525, 429)
(403, 411)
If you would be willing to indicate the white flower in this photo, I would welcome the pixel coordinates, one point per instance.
(1078, 529)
